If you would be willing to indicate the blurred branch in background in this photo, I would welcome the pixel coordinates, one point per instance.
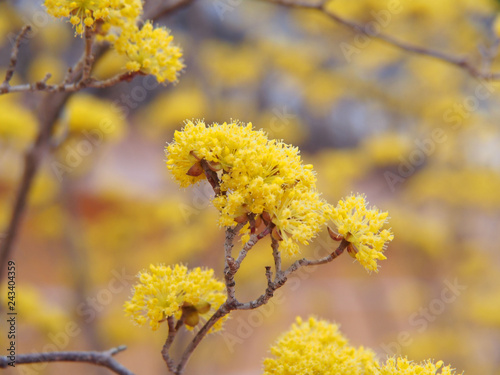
(462, 62)
(77, 78)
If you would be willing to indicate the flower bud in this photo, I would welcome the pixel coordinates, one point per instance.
(196, 170)
(202, 307)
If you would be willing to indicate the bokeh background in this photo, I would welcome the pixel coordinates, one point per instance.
(419, 137)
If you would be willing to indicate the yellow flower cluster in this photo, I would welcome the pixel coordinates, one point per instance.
(261, 177)
(267, 179)
(185, 294)
(402, 366)
(149, 50)
(87, 12)
(318, 347)
(362, 228)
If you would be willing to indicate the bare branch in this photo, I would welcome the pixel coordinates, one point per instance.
(277, 257)
(13, 57)
(281, 279)
(70, 87)
(172, 331)
(104, 359)
(164, 8)
(229, 270)
(314, 262)
(458, 61)
(88, 58)
(223, 310)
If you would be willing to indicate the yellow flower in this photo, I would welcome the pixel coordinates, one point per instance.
(362, 228)
(150, 50)
(257, 176)
(402, 366)
(165, 291)
(299, 217)
(317, 347)
(86, 12)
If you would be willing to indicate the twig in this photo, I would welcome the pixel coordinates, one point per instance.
(70, 87)
(172, 331)
(232, 265)
(211, 176)
(229, 269)
(314, 262)
(88, 58)
(280, 280)
(13, 57)
(104, 359)
(277, 257)
(459, 61)
(223, 310)
(165, 8)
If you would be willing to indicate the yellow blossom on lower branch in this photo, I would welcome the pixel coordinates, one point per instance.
(362, 228)
(318, 347)
(177, 292)
(402, 366)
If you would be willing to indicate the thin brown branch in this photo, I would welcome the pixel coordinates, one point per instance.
(172, 331)
(277, 257)
(164, 8)
(458, 61)
(70, 87)
(314, 262)
(48, 112)
(211, 176)
(281, 279)
(88, 58)
(223, 310)
(13, 57)
(229, 269)
(104, 359)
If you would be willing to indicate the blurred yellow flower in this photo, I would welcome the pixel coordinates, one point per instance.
(17, 125)
(46, 63)
(85, 113)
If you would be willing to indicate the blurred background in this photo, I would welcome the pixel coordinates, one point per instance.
(419, 137)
